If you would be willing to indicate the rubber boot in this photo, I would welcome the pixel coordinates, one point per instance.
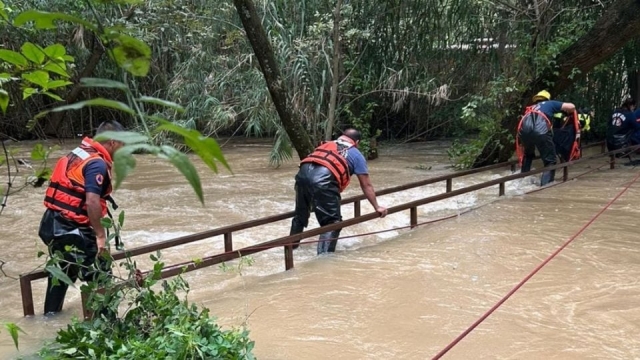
(328, 246)
(296, 228)
(54, 297)
(547, 177)
(526, 164)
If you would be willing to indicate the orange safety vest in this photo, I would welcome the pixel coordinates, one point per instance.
(520, 148)
(331, 155)
(66, 191)
(576, 151)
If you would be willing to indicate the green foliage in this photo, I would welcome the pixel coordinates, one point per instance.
(394, 56)
(361, 123)
(157, 324)
(37, 70)
(14, 331)
(483, 113)
(134, 56)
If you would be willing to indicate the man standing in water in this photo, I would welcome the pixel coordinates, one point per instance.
(535, 131)
(323, 175)
(76, 200)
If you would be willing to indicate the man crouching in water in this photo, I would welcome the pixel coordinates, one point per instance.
(535, 131)
(323, 175)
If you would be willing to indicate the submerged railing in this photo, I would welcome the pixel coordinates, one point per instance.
(286, 241)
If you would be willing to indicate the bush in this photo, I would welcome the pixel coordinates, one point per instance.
(157, 325)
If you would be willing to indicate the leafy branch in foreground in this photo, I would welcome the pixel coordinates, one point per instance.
(134, 57)
(13, 330)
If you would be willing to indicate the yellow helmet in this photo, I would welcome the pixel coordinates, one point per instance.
(542, 95)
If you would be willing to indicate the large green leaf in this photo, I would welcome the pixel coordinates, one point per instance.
(13, 57)
(33, 52)
(57, 272)
(106, 222)
(121, 218)
(93, 102)
(54, 84)
(124, 162)
(4, 100)
(55, 51)
(127, 137)
(45, 20)
(205, 147)
(53, 96)
(38, 77)
(132, 55)
(27, 92)
(3, 13)
(162, 102)
(38, 152)
(105, 83)
(184, 165)
(13, 330)
(57, 67)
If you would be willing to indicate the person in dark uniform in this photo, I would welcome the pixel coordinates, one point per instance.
(76, 200)
(566, 135)
(323, 175)
(621, 126)
(535, 131)
(635, 137)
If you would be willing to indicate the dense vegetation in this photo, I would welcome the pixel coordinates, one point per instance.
(407, 70)
(398, 70)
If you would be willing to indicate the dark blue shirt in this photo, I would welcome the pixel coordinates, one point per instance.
(622, 119)
(356, 161)
(96, 177)
(548, 108)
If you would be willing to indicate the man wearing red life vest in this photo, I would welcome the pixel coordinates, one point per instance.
(323, 175)
(76, 200)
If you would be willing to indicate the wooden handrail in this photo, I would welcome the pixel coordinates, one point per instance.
(226, 231)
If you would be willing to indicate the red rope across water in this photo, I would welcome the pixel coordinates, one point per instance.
(519, 285)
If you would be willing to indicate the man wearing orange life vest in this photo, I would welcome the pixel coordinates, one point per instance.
(76, 200)
(323, 175)
(535, 131)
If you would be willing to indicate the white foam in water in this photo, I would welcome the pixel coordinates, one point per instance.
(271, 261)
(147, 237)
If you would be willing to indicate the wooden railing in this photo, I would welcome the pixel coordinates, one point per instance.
(286, 241)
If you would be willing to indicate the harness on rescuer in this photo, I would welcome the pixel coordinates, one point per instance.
(332, 155)
(532, 115)
(576, 151)
(66, 191)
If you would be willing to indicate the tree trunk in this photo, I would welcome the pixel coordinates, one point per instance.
(335, 76)
(616, 27)
(264, 53)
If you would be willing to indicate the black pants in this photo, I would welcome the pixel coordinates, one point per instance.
(563, 138)
(78, 248)
(317, 189)
(617, 142)
(544, 144)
